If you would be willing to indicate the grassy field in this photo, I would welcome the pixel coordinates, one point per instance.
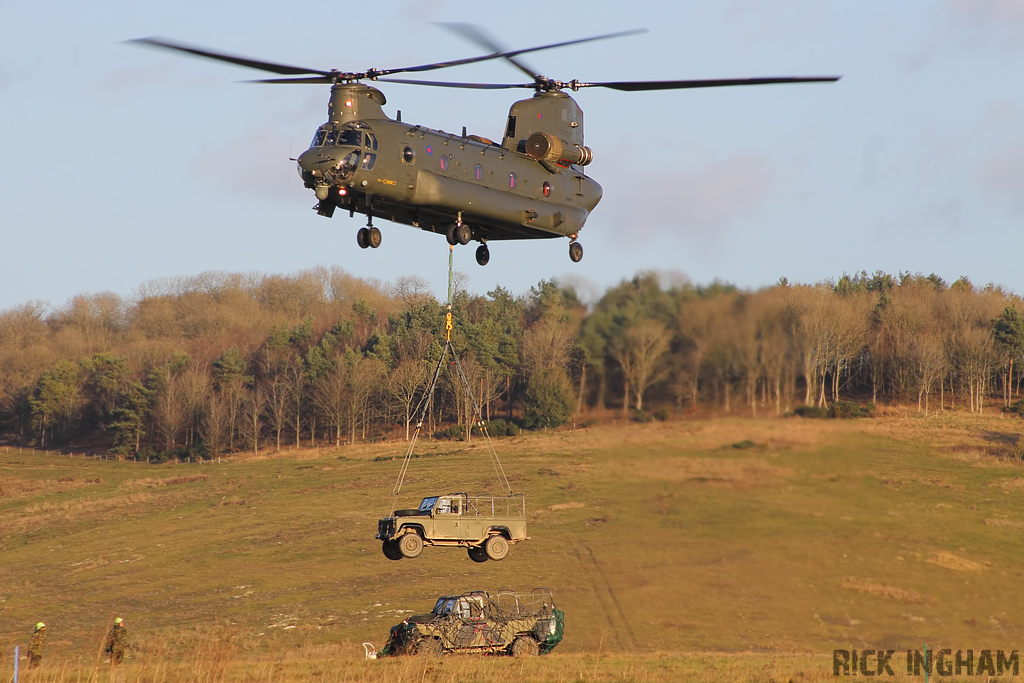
(711, 550)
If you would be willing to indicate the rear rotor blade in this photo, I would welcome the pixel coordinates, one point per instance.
(477, 35)
(283, 69)
(635, 86)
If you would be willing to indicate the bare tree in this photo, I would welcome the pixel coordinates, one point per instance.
(333, 395)
(253, 404)
(697, 319)
(214, 426)
(639, 352)
(405, 381)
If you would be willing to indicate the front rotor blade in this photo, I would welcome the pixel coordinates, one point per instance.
(306, 80)
(635, 86)
(283, 69)
(444, 84)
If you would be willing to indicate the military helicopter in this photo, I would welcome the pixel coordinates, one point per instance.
(531, 185)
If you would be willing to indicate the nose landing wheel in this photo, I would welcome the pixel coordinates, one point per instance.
(483, 254)
(368, 237)
(575, 252)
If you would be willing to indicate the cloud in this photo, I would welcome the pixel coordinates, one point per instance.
(986, 24)
(988, 10)
(1002, 176)
(256, 165)
(702, 204)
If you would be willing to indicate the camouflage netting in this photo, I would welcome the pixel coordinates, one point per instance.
(478, 622)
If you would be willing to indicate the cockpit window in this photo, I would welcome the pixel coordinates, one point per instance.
(371, 141)
(350, 137)
(318, 139)
(368, 161)
(331, 137)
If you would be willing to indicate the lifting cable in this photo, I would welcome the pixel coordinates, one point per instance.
(428, 396)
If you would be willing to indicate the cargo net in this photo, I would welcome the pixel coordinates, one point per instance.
(477, 619)
(508, 604)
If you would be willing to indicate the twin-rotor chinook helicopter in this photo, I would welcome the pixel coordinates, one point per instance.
(531, 185)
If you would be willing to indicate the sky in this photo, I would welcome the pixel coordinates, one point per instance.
(121, 165)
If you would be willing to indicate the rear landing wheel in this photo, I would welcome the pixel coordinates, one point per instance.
(575, 252)
(483, 254)
(449, 234)
(363, 238)
(478, 554)
(463, 234)
(374, 238)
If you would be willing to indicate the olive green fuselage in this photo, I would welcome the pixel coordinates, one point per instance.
(364, 162)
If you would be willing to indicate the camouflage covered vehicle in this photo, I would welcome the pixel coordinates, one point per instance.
(485, 525)
(516, 624)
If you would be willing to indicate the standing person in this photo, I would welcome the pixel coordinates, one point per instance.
(117, 639)
(35, 646)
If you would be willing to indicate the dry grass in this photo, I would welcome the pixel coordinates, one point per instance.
(157, 482)
(46, 513)
(566, 506)
(1011, 485)
(17, 487)
(868, 587)
(733, 472)
(948, 560)
(1006, 523)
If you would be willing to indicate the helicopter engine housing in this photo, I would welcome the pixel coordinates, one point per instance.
(548, 148)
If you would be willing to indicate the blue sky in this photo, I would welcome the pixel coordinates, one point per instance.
(121, 165)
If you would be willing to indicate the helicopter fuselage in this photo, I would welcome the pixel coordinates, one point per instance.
(365, 162)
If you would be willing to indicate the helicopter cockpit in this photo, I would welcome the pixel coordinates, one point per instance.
(324, 146)
(353, 134)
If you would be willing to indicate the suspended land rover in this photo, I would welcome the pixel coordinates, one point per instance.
(516, 624)
(485, 525)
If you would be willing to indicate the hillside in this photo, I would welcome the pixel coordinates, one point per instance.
(728, 536)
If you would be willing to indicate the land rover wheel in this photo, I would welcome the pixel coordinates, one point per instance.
(391, 550)
(410, 544)
(478, 554)
(496, 548)
(429, 647)
(524, 646)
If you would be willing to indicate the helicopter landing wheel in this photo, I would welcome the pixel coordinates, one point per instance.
(363, 238)
(483, 254)
(463, 234)
(450, 234)
(575, 252)
(374, 238)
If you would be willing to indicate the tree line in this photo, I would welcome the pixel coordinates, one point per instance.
(224, 362)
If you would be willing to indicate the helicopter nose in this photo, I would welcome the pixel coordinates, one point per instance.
(316, 161)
